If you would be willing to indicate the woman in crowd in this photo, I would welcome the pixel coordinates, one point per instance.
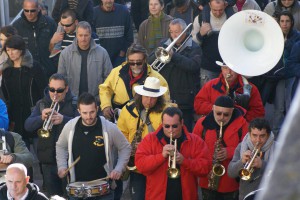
(5, 32)
(23, 82)
(155, 28)
(274, 8)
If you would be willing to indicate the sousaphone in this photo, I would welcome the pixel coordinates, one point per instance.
(251, 42)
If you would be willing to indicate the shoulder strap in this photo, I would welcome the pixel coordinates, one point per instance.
(240, 133)
(130, 109)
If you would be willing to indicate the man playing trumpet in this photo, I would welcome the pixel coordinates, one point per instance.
(191, 160)
(259, 137)
(42, 120)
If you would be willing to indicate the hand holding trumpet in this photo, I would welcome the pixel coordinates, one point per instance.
(246, 157)
(168, 150)
(56, 118)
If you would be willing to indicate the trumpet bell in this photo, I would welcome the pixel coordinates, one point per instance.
(251, 42)
(218, 170)
(162, 55)
(173, 173)
(43, 133)
(245, 174)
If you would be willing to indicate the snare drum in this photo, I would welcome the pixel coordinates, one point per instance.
(88, 189)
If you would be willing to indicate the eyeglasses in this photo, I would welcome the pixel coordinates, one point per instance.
(135, 63)
(173, 126)
(220, 113)
(32, 11)
(59, 90)
(67, 25)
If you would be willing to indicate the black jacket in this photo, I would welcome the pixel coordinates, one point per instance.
(84, 10)
(46, 146)
(37, 37)
(182, 73)
(22, 88)
(33, 194)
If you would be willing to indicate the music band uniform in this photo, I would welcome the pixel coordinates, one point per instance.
(116, 88)
(232, 134)
(151, 163)
(208, 94)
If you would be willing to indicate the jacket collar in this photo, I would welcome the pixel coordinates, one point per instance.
(27, 60)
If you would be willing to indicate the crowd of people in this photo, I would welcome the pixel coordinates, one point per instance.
(99, 105)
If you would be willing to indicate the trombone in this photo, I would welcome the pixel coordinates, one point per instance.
(163, 55)
(172, 171)
(44, 132)
(246, 172)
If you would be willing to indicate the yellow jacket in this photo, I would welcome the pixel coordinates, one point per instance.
(127, 123)
(114, 86)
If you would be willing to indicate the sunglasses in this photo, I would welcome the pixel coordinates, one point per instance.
(135, 63)
(32, 11)
(220, 113)
(67, 25)
(173, 126)
(59, 90)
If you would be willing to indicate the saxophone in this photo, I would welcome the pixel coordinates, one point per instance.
(136, 140)
(218, 169)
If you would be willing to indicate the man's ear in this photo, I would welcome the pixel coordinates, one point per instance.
(27, 179)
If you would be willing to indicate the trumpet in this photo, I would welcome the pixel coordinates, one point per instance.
(246, 172)
(44, 132)
(172, 171)
(163, 55)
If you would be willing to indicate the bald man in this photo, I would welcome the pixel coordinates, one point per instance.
(17, 186)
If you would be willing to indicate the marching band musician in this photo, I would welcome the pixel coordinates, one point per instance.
(117, 89)
(245, 95)
(66, 109)
(137, 119)
(182, 72)
(189, 160)
(97, 146)
(230, 122)
(260, 137)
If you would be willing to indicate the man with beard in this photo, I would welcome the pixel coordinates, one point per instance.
(100, 147)
(222, 130)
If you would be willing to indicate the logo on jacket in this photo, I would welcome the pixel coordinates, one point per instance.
(99, 142)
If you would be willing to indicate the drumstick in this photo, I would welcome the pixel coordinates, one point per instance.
(72, 165)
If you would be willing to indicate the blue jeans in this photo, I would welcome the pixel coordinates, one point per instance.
(53, 183)
(109, 196)
(279, 107)
(206, 76)
(137, 186)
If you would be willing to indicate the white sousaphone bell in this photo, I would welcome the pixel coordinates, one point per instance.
(251, 42)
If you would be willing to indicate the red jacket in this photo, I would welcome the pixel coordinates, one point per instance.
(150, 162)
(231, 139)
(208, 94)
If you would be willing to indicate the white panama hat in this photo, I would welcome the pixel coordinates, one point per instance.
(151, 88)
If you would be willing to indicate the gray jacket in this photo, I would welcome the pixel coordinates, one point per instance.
(117, 148)
(98, 66)
(20, 153)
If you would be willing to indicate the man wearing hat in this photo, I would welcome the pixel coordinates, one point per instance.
(245, 95)
(222, 130)
(168, 150)
(138, 118)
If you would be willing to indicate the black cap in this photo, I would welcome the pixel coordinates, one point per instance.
(224, 101)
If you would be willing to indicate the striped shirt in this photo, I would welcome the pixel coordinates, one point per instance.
(68, 39)
(73, 4)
